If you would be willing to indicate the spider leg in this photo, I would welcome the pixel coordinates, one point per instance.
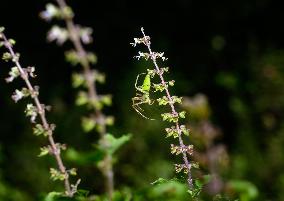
(138, 95)
(137, 103)
(134, 106)
(138, 109)
(148, 100)
(138, 88)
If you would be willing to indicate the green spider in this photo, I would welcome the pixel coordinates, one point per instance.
(142, 95)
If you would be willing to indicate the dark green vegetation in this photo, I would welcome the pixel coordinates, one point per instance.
(230, 52)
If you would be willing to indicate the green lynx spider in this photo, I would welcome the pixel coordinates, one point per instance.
(142, 95)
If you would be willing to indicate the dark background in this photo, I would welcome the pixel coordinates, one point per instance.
(230, 73)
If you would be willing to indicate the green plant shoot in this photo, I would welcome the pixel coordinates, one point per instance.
(142, 95)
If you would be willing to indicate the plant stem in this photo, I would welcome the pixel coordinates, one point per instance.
(92, 93)
(171, 103)
(41, 111)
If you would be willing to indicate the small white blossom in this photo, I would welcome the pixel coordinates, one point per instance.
(144, 55)
(86, 34)
(159, 55)
(145, 40)
(50, 12)
(31, 71)
(181, 167)
(58, 34)
(31, 112)
(17, 95)
(14, 73)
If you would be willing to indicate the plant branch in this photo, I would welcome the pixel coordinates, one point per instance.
(41, 111)
(92, 91)
(171, 103)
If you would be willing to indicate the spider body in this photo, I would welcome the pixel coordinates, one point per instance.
(142, 95)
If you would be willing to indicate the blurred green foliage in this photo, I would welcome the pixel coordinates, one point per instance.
(233, 53)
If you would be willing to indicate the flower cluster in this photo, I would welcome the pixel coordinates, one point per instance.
(36, 112)
(179, 149)
(84, 80)
(87, 79)
(177, 130)
(146, 55)
(62, 34)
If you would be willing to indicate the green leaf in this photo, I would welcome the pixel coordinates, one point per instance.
(52, 196)
(67, 13)
(77, 80)
(43, 151)
(176, 99)
(100, 77)
(166, 69)
(73, 171)
(109, 144)
(184, 130)
(170, 117)
(2, 29)
(182, 114)
(92, 58)
(88, 124)
(83, 158)
(56, 175)
(12, 41)
(207, 178)
(72, 57)
(7, 56)
(160, 181)
(172, 83)
(58, 196)
(159, 87)
(82, 193)
(82, 98)
(171, 190)
(246, 190)
(163, 101)
(198, 183)
(109, 120)
(172, 132)
(195, 165)
(39, 130)
(106, 100)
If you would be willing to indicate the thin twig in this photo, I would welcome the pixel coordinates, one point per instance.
(92, 92)
(171, 103)
(41, 111)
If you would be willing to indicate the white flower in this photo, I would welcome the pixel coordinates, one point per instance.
(31, 112)
(17, 95)
(50, 12)
(86, 35)
(58, 34)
